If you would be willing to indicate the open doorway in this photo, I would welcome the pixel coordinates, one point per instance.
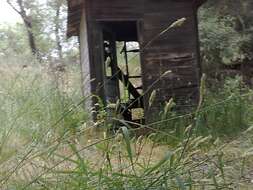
(122, 68)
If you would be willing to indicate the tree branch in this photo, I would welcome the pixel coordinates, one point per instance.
(13, 7)
(28, 24)
(21, 12)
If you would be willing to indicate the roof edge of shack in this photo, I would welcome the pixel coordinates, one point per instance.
(75, 8)
(74, 16)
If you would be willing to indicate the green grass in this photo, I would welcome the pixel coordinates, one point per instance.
(223, 113)
(47, 142)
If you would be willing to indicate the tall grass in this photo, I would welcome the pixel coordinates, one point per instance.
(224, 113)
(48, 143)
(31, 103)
(231, 114)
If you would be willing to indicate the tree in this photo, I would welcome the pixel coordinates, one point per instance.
(59, 10)
(12, 41)
(23, 8)
(57, 28)
(226, 31)
(66, 49)
(45, 25)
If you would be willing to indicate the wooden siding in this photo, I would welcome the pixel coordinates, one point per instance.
(116, 10)
(175, 50)
(96, 58)
(85, 61)
(75, 8)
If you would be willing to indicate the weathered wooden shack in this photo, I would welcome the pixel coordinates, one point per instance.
(169, 59)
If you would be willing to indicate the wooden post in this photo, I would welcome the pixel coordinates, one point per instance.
(85, 62)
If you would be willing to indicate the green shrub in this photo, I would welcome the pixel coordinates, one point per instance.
(227, 110)
(221, 43)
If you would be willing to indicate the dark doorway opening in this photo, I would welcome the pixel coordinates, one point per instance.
(122, 68)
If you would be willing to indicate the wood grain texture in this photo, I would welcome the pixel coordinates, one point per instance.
(176, 50)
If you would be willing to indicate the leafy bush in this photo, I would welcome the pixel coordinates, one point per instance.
(220, 42)
(227, 111)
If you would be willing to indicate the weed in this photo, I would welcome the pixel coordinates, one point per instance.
(42, 146)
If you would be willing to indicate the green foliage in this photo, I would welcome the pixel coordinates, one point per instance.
(43, 127)
(42, 15)
(221, 43)
(13, 41)
(32, 103)
(229, 116)
(223, 113)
